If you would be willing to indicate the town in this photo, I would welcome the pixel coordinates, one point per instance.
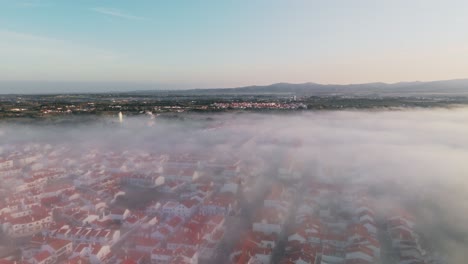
(185, 206)
(29, 108)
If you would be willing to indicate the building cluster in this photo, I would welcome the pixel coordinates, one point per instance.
(259, 105)
(405, 241)
(268, 225)
(63, 205)
(316, 220)
(332, 224)
(58, 207)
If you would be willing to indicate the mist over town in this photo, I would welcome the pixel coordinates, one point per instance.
(356, 186)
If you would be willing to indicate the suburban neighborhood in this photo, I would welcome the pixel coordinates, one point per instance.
(150, 207)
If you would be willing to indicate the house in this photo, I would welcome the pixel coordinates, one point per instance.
(6, 164)
(26, 225)
(169, 208)
(269, 221)
(403, 217)
(134, 219)
(261, 240)
(248, 251)
(153, 208)
(303, 211)
(129, 256)
(278, 198)
(188, 208)
(188, 175)
(372, 244)
(411, 260)
(185, 256)
(161, 233)
(117, 214)
(43, 257)
(78, 260)
(88, 235)
(59, 248)
(370, 226)
(299, 258)
(184, 209)
(359, 252)
(356, 232)
(56, 190)
(183, 161)
(144, 243)
(185, 174)
(221, 204)
(91, 178)
(95, 253)
(310, 225)
(300, 253)
(230, 186)
(174, 223)
(400, 236)
(185, 238)
(335, 240)
(10, 175)
(411, 252)
(205, 189)
(143, 180)
(261, 255)
(161, 255)
(332, 254)
(299, 236)
(173, 186)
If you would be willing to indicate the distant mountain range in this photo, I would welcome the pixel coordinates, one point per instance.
(457, 87)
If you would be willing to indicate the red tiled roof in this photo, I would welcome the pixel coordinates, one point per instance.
(57, 244)
(175, 221)
(129, 261)
(42, 255)
(145, 241)
(359, 248)
(189, 203)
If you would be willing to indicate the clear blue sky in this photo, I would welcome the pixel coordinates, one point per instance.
(232, 43)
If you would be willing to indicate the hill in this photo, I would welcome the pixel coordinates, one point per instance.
(457, 87)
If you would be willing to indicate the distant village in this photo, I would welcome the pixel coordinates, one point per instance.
(141, 207)
(46, 106)
(24, 107)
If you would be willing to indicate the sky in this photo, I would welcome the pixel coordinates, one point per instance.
(214, 44)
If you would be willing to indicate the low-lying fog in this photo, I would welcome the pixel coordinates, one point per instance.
(415, 158)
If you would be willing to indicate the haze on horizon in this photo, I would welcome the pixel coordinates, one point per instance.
(205, 44)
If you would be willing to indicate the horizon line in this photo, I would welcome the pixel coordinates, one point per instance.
(186, 89)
